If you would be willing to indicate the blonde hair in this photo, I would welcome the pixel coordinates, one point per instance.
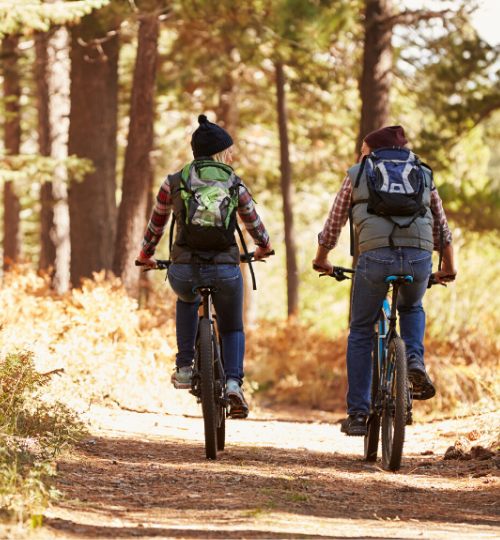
(220, 156)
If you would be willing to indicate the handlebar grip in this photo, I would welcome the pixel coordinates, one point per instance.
(137, 263)
(433, 280)
(244, 259)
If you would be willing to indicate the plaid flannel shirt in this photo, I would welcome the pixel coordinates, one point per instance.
(339, 214)
(163, 208)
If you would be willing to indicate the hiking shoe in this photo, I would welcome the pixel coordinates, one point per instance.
(237, 402)
(181, 378)
(417, 375)
(355, 425)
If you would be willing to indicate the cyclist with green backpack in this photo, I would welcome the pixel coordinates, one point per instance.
(398, 214)
(205, 197)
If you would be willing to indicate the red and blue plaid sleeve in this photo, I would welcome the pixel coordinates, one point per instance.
(338, 216)
(250, 218)
(158, 222)
(439, 217)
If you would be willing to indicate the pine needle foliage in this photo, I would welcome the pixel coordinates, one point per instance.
(29, 16)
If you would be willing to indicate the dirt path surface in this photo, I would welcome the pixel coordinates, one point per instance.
(144, 475)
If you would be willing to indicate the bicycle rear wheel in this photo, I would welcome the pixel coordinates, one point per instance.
(207, 388)
(395, 410)
(221, 409)
(373, 429)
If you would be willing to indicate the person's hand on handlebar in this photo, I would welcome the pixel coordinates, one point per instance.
(149, 262)
(321, 263)
(444, 275)
(448, 268)
(260, 253)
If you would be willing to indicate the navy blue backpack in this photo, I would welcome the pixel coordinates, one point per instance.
(396, 183)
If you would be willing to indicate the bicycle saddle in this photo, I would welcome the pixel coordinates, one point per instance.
(400, 279)
(200, 289)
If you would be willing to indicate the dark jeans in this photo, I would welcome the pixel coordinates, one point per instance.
(228, 303)
(370, 290)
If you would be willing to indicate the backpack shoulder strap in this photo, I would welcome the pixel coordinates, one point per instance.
(245, 249)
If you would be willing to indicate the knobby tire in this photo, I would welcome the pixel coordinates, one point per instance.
(221, 410)
(207, 388)
(373, 429)
(394, 422)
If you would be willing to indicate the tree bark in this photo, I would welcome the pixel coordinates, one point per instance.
(376, 80)
(227, 117)
(287, 193)
(48, 247)
(136, 173)
(92, 134)
(227, 110)
(12, 143)
(377, 75)
(59, 92)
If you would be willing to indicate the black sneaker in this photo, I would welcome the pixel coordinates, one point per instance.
(355, 425)
(422, 385)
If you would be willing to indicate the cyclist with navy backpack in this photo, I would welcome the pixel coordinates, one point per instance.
(398, 215)
(205, 197)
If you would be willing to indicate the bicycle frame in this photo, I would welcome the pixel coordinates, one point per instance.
(386, 331)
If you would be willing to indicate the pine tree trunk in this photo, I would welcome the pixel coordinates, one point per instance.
(48, 247)
(12, 143)
(287, 193)
(227, 110)
(146, 296)
(227, 117)
(136, 173)
(376, 81)
(92, 134)
(59, 93)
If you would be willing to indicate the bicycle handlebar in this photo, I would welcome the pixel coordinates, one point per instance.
(433, 281)
(243, 257)
(339, 274)
(160, 265)
(165, 264)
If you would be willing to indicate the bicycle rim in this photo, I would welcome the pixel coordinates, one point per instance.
(395, 410)
(207, 388)
(373, 429)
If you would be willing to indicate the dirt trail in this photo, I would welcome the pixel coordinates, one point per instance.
(144, 475)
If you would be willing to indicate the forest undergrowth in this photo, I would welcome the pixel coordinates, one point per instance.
(113, 352)
(34, 428)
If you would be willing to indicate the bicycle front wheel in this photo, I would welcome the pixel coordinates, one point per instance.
(395, 409)
(373, 429)
(207, 388)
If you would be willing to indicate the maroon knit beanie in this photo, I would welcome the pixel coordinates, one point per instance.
(388, 136)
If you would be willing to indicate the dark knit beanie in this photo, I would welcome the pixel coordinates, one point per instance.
(209, 139)
(388, 136)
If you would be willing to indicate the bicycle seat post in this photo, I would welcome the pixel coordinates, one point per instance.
(206, 295)
(393, 319)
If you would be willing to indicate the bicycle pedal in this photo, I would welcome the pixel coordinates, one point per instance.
(238, 413)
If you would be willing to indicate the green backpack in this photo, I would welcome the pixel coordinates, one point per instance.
(210, 193)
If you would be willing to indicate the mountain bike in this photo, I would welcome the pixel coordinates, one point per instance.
(392, 394)
(208, 379)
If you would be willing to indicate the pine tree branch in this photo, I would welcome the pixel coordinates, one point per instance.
(407, 17)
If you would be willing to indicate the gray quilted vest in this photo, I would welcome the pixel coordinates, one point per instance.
(374, 231)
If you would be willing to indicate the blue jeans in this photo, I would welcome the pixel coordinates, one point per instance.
(228, 303)
(370, 290)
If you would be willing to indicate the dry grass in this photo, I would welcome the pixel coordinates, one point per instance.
(113, 352)
(292, 363)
